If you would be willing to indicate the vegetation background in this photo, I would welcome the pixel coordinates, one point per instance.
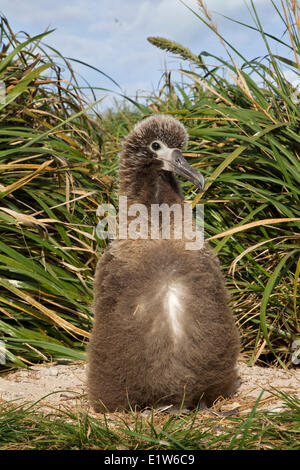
(59, 161)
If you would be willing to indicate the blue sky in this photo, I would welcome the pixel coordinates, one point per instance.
(112, 34)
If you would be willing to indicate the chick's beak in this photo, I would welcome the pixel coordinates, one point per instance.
(173, 160)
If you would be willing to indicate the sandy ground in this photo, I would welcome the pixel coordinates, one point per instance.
(63, 384)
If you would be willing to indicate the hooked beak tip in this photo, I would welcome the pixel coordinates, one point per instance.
(201, 183)
(185, 170)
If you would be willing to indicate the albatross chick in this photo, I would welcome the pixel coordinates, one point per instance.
(163, 333)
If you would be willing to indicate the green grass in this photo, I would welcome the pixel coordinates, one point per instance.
(58, 162)
(244, 124)
(28, 428)
(51, 185)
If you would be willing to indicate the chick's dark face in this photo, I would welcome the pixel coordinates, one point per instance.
(157, 141)
(171, 133)
(163, 128)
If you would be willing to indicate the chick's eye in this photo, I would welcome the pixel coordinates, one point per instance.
(155, 146)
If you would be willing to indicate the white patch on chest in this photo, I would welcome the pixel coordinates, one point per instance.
(173, 305)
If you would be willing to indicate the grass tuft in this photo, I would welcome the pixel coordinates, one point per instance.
(28, 428)
(243, 117)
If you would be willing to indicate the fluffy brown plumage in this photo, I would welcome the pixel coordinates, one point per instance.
(163, 332)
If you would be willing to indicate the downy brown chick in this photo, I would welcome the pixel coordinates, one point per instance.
(163, 332)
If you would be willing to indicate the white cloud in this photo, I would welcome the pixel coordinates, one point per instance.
(230, 5)
(41, 14)
(136, 18)
(112, 34)
(292, 77)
